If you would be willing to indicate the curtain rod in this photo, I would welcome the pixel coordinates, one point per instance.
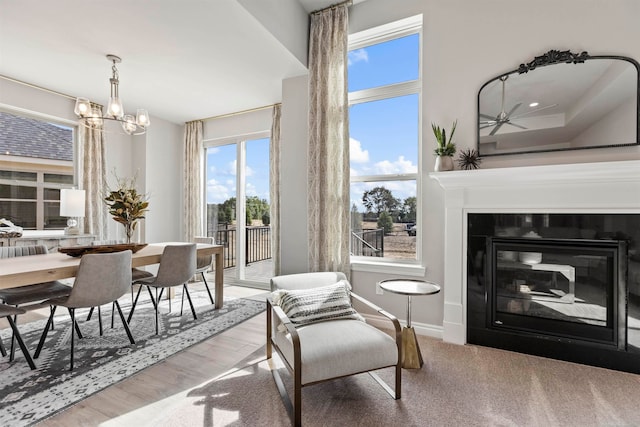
(333, 6)
(11, 79)
(237, 113)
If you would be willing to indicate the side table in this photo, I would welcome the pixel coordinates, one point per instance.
(411, 356)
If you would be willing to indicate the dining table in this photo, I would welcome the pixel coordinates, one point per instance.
(29, 270)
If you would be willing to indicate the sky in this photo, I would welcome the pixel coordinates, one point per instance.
(383, 134)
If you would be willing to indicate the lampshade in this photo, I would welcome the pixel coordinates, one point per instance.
(72, 203)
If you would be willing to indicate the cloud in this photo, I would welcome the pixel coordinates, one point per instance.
(357, 55)
(356, 153)
(218, 192)
(401, 165)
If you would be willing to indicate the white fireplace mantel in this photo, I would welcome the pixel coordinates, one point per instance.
(606, 187)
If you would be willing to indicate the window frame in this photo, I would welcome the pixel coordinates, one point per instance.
(46, 166)
(363, 39)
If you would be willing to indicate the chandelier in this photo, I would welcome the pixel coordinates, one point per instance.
(90, 116)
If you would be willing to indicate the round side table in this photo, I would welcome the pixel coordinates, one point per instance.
(411, 356)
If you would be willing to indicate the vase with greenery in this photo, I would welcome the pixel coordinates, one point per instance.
(445, 147)
(127, 205)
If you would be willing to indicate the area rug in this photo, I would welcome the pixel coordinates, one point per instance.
(28, 396)
(458, 386)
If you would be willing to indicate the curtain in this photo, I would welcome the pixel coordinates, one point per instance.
(94, 177)
(274, 188)
(328, 151)
(193, 158)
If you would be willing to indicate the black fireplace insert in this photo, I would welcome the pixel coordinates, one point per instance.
(565, 286)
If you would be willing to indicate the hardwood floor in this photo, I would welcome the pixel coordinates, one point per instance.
(140, 398)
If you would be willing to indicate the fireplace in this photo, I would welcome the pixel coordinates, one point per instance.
(559, 290)
(545, 260)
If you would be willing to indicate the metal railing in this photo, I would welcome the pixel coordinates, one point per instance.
(257, 244)
(368, 243)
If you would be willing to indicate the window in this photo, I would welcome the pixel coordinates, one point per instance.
(384, 126)
(36, 161)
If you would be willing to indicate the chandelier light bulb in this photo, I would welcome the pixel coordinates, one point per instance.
(83, 107)
(129, 124)
(114, 108)
(142, 118)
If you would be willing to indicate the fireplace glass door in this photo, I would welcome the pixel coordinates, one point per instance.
(563, 288)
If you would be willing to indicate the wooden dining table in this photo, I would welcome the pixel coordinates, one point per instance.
(29, 270)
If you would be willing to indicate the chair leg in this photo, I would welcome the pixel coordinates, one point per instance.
(133, 306)
(206, 285)
(181, 303)
(193, 310)
(90, 314)
(75, 324)
(113, 309)
(3, 352)
(43, 337)
(12, 350)
(100, 320)
(23, 347)
(124, 323)
(72, 312)
(156, 305)
(154, 302)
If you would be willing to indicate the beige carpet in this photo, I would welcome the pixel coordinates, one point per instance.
(458, 386)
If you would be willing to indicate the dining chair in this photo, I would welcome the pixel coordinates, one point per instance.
(177, 266)
(30, 296)
(136, 274)
(101, 279)
(10, 313)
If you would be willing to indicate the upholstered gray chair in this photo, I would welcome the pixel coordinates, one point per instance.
(177, 266)
(11, 312)
(136, 274)
(30, 295)
(203, 263)
(327, 349)
(101, 279)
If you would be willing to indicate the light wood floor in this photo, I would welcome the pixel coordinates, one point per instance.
(139, 398)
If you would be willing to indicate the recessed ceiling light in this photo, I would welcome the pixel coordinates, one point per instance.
(534, 104)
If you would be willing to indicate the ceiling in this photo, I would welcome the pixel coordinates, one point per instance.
(181, 60)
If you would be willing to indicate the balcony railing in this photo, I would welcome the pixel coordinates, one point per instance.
(368, 243)
(257, 244)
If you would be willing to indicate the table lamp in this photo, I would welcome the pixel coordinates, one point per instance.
(72, 206)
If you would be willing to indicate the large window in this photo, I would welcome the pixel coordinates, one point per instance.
(384, 126)
(36, 161)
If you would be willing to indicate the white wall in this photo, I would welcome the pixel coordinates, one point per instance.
(465, 44)
(162, 171)
(294, 135)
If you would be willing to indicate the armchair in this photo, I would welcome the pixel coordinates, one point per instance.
(355, 346)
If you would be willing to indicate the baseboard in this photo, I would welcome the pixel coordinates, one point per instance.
(425, 329)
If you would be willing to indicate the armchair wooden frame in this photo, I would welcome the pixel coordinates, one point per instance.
(295, 408)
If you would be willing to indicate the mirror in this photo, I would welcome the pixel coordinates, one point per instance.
(560, 101)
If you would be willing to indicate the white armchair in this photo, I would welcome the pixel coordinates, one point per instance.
(356, 346)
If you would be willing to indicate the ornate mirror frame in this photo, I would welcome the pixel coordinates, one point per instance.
(583, 102)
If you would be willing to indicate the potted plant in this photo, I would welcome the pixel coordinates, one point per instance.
(126, 205)
(446, 148)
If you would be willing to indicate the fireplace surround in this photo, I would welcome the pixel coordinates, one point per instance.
(549, 210)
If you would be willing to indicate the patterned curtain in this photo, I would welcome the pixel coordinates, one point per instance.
(193, 150)
(274, 188)
(328, 152)
(94, 177)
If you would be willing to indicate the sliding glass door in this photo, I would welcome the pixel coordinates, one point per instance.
(237, 194)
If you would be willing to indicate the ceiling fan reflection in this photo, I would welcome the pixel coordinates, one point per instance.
(505, 118)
